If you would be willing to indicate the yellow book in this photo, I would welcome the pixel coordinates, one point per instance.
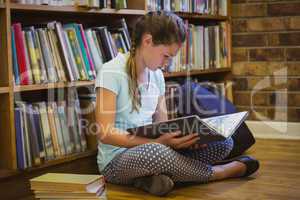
(68, 182)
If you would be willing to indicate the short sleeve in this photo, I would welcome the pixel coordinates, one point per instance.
(161, 82)
(109, 79)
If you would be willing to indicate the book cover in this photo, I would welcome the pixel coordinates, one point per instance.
(210, 130)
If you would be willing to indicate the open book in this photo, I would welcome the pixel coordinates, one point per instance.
(210, 129)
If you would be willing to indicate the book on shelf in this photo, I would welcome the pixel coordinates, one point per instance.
(61, 53)
(209, 129)
(171, 88)
(46, 2)
(115, 4)
(205, 48)
(68, 186)
(47, 131)
(210, 7)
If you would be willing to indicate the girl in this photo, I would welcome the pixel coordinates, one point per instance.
(130, 93)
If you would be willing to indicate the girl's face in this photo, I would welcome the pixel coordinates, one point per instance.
(158, 56)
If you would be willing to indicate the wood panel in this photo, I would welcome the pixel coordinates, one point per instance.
(23, 88)
(4, 26)
(7, 139)
(4, 90)
(195, 72)
(74, 9)
(193, 16)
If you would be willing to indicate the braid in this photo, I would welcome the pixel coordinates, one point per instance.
(132, 74)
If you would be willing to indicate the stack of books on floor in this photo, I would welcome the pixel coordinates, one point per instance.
(68, 186)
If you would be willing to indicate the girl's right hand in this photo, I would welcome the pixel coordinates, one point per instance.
(172, 140)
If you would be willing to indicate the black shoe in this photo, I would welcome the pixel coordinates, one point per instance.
(252, 164)
(158, 185)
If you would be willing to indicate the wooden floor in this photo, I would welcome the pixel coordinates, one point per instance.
(277, 178)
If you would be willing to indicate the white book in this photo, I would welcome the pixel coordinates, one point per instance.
(95, 54)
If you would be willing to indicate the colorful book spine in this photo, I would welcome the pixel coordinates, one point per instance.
(76, 52)
(84, 39)
(21, 164)
(15, 59)
(83, 52)
(20, 48)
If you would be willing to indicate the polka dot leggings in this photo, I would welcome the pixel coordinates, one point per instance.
(154, 158)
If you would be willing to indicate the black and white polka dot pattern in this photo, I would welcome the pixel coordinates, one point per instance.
(154, 158)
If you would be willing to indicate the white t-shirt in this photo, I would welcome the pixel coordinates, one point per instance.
(113, 77)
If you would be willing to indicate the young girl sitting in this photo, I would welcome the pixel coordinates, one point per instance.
(130, 92)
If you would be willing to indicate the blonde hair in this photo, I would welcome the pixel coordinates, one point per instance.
(166, 28)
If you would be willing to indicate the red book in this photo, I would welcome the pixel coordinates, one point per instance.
(23, 68)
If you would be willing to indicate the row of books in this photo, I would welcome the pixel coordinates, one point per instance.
(117, 4)
(64, 52)
(68, 186)
(47, 131)
(205, 48)
(47, 2)
(211, 7)
(220, 89)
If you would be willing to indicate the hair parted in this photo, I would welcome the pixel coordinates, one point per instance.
(166, 28)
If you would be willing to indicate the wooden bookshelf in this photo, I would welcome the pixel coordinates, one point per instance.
(195, 72)
(73, 9)
(194, 16)
(23, 88)
(36, 14)
(4, 90)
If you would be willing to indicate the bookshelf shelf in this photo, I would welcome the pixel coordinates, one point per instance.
(187, 15)
(4, 90)
(64, 159)
(195, 72)
(73, 9)
(23, 88)
(5, 173)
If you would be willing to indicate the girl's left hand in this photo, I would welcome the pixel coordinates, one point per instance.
(198, 146)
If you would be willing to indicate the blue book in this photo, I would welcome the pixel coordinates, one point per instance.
(83, 52)
(19, 139)
(38, 129)
(15, 61)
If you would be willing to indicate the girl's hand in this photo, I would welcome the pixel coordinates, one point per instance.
(172, 140)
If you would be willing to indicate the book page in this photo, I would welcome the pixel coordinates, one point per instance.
(226, 125)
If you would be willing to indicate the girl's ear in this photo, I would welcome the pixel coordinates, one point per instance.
(147, 39)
